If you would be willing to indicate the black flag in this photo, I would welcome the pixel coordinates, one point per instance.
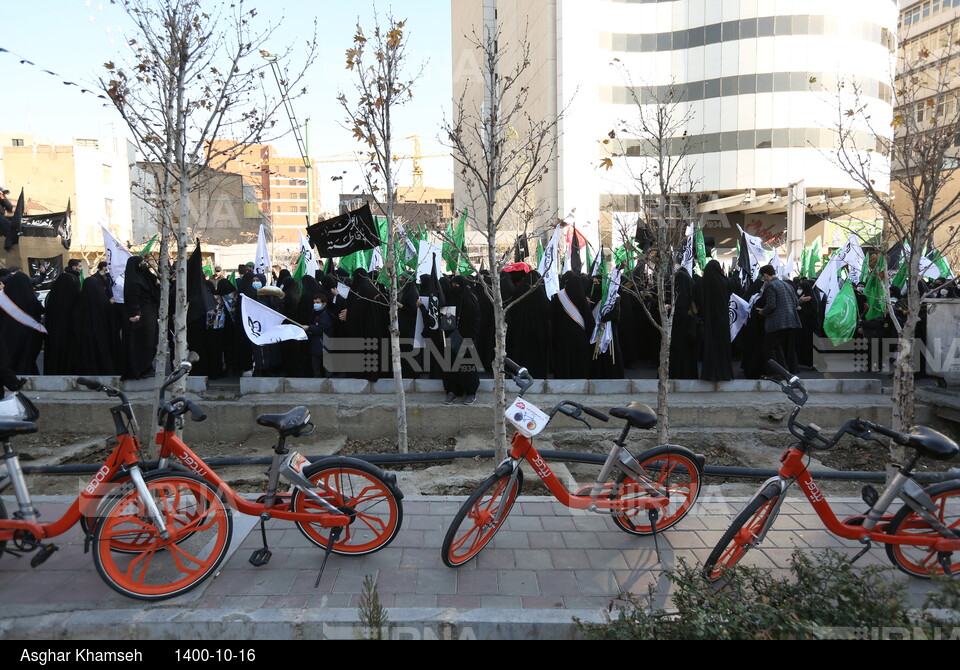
(13, 233)
(520, 249)
(345, 234)
(576, 263)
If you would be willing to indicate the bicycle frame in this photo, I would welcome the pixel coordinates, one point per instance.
(523, 449)
(172, 446)
(794, 469)
(124, 459)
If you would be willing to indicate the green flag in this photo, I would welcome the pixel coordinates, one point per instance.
(358, 259)
(589, 257)
(539, 253)
(146, 249)
(941, 263)
(874, 292)
(840, 322)
(810, 270)
(901, 278)
(301, 268)
(455, 246)
(328, 267)
(701, 249)
(83, 275)
(208, 270)
(233, 278)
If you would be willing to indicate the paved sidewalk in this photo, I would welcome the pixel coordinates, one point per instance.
(546, 566)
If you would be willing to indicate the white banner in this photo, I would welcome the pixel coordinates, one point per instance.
(265, 326)
(311, 265)
(549, 265)
(262, 263)
(828, 281)
(116, 257)
(17, 314)
(852, 255)
(429, 252)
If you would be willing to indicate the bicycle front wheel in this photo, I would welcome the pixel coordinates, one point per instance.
(742, 534)
(479, 518)
(150, 567)
(358, 490)
(676, 474)
(919, 561)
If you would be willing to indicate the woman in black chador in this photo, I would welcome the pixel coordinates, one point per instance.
(94, 327)
(141, 303)
(22, 343)
(573, 325)
(463, 377)
(715, 312)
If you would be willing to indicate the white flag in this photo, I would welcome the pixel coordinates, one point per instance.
(828, 281)
(116, 257)
(310, 265)
(739, 313)
(754, 245)
(265, 326)
(262, 263)
(687, 250)
(429, 253)
(605, 330)
(376, 260)
(548, 265)
(790, 268)
(852, 255)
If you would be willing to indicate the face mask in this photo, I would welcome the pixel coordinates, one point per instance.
(257, 285)
(799, 291)
(943, 294)
(317, 307)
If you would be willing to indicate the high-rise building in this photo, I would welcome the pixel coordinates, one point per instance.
(279, 182)
(929, 58)
(758, 83)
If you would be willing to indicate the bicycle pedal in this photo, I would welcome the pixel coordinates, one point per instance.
(943, 557)
(43, 553)
(260, 556)
(869, 495)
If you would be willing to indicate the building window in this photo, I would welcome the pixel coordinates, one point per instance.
(16, 142)
(108, 208)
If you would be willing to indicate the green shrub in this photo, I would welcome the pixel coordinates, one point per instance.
(824, 597)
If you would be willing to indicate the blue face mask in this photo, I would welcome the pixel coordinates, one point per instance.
(317, 307)
(257, 285)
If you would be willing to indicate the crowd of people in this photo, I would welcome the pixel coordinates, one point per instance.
(446, 325)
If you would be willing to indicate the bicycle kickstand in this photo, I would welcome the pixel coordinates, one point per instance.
(334, 536)
(262, 555)
(653, 514)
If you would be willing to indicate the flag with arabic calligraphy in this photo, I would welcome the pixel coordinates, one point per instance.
(345, 234)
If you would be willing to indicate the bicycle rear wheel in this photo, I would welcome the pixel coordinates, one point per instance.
(672, 472)
(153, 568)
(742, 534)
(919, 561)
(479, 518)
(360, 491)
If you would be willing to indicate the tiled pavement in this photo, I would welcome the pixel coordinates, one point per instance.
(545, 566)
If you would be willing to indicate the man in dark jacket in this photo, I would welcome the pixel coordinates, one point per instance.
(780, 316)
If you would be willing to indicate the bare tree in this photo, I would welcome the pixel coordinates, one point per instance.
(501, 152)
(914, 151)
(652, 153)
(193, 76)
(383, 84)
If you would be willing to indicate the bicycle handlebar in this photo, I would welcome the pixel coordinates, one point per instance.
(91, 383)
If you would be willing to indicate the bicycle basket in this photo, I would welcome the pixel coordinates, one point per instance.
(18, 407)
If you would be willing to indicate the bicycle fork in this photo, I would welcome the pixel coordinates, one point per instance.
(136, 476)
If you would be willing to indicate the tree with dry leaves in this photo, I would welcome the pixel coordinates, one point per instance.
(383, 84)
(651, 154)
(501, 152)
(193, 74)
(913, 156)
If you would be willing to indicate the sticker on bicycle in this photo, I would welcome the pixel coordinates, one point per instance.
(296, 462)
(526, 417)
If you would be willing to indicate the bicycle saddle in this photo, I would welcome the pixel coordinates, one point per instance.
(10, 429)
(287, 423)
(932, 444)
(637, 414)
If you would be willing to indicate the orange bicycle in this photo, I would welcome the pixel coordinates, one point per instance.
(920, 537)
(178, 522)
(644, 494)
(343, 505)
